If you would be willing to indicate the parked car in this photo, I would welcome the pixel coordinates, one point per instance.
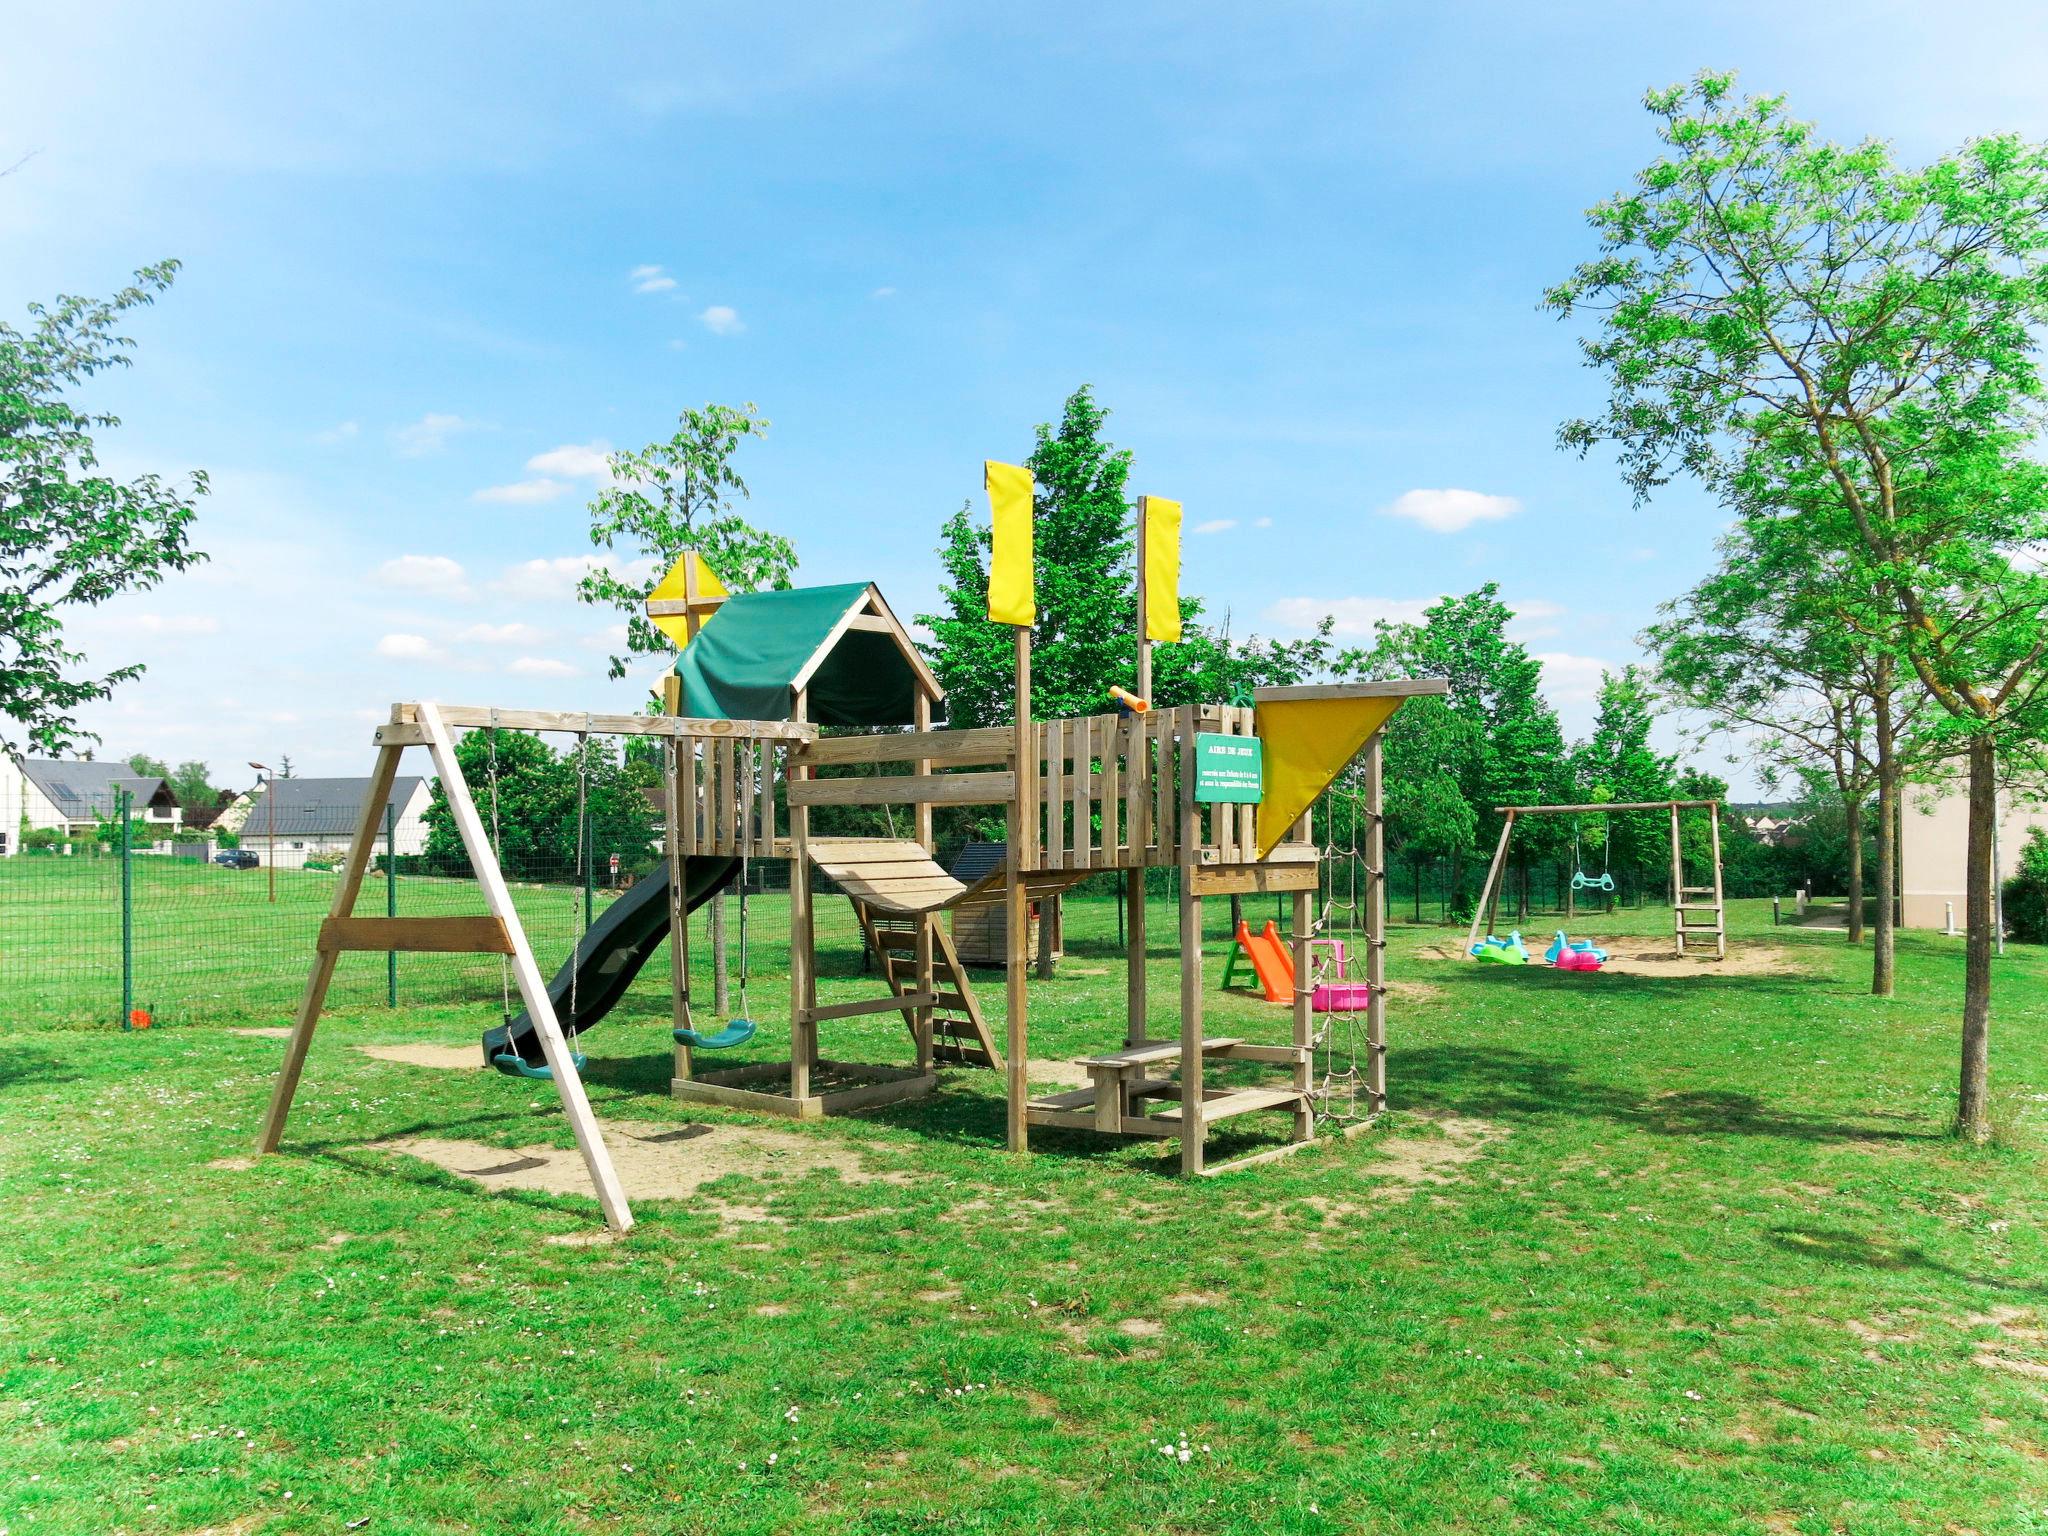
(236, 858)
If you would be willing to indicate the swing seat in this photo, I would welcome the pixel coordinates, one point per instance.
(736, 1032)
(1341, 997)
(512, 1064)
(1581, 881)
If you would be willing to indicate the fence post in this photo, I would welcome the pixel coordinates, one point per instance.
(390, 900)
(123, 801)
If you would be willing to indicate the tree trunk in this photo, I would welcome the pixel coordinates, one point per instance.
(1973, 1100)
(719, 988)
(1852, 820)
(1048, 924)
(1883, 944)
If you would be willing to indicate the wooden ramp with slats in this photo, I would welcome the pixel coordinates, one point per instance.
(896, 875)
(959, 1031)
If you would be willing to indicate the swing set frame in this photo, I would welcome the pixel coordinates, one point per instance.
(1684, 898)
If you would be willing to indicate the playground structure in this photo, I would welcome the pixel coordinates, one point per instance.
(1222, 793)
(1685, 899)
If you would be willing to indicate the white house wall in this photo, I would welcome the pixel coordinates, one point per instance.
(1932, 844)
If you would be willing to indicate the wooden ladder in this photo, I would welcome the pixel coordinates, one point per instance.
(960, 1035)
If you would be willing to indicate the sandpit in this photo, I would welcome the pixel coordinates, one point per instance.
(654, 1161)
(442, 1058)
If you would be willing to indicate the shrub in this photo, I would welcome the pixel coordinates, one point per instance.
(2026, 893)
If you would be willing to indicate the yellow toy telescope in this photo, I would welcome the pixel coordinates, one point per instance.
(1127, 701)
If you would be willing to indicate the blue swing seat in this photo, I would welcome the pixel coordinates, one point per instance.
(736, 1032)
(512, 1064)
(1581, 881)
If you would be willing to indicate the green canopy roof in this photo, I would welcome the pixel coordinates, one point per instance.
(746, 660)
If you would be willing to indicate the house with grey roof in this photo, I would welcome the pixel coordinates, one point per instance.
(317, 818)
(73, 798)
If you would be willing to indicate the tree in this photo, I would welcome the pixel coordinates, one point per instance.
(146, 767)
(71, 536)
(284, 766)
(535, 809)
(1818, 333)
(678, 495)
(1427, 814)
(192, 783)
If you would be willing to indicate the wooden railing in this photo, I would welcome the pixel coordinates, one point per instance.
(725, 795)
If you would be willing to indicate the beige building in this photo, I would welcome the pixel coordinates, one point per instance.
(1932, 840)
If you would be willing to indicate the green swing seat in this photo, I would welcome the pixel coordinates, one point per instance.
(512, 1064)
(736, 1032)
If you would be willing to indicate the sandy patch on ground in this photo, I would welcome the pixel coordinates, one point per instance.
(443, 1058)
(268, 1032)
(1066, 1074)
(1637, 956)
(1410, 1163)
(654, 1162)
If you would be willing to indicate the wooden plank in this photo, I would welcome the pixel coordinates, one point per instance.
(679, 787)
(1135, 1125)
(1109, 853)
(401, 736)
(354, 863)
(1160, 727)
(1081, 845)
(803, 984)
(471, 717)
(1481, 912)
(1192, 988)
(417, 935)
(765, 848)
(1223, 1106)
(1386, 688)
(1720, 907)
(1615, 805)
(987, 744)
(1022, 818)
(1055, 802)
(684, 807)
(1249, 879)
(1137, 788)
(533, 988)
(1159, 1050)
(907, 789)
(896, 1004)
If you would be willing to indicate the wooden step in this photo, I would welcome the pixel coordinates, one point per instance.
(962, 1055)
(1713, 928)
(1238, 1101)
(1073, 1098)
(1695, 890)
(1157, 1050)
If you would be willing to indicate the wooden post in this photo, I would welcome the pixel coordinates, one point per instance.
(1193, 1128)
(1022, 840)
(1376, 924)
(343, 905)
(678, 904)
(1139, 826)
(1720, 905)
(921, 1026)
(803, 954)
(1304, 1017)
(1677, 884)
(1482, 914)
(533, 987)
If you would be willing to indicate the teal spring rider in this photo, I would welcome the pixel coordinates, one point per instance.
(1582, 880)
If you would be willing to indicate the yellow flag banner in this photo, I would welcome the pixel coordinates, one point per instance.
(1307, 743)
(1012, 584)
(688, 580)
(1162, 569)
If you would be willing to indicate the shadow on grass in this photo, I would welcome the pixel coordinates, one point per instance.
(1489, 1081)
(21, 1065)
(1837, 1245)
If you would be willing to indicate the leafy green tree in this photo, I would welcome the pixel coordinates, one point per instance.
(71, 536)
(535, 816)
(677, 495)
(1427, 814)
(2026, 893)
(192, 783)
(146, 767)
(1819, 333)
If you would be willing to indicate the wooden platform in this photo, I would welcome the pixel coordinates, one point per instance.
(750, 1087)
(1118, 1102)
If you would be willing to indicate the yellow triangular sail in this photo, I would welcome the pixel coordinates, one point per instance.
(687, 580)
(1306, 744)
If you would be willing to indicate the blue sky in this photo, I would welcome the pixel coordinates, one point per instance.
(438, 258)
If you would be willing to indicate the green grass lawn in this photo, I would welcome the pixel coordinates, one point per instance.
(1630, 1255)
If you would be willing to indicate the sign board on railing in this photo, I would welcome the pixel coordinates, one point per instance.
(1227, 768)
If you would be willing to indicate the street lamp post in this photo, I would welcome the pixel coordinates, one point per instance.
(270, 816)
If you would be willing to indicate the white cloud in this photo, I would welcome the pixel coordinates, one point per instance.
(575, 461)
(650, 279)
(541, 666)
(1262, 522)
(409, 648)
(883, 293)
(1569, 679)
(722, 320)
(1642, 554)
(430, 433)
(679, 345)
(513, 633)
(1216, 525)
(340, 432)
(555, 580)
(1534, 617)
(520, 493)
(172, 623)
(434, 575)
(1354, 615)
(1450, 510)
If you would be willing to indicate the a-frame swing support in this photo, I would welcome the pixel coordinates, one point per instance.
(500, 933)
(1712, 900)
